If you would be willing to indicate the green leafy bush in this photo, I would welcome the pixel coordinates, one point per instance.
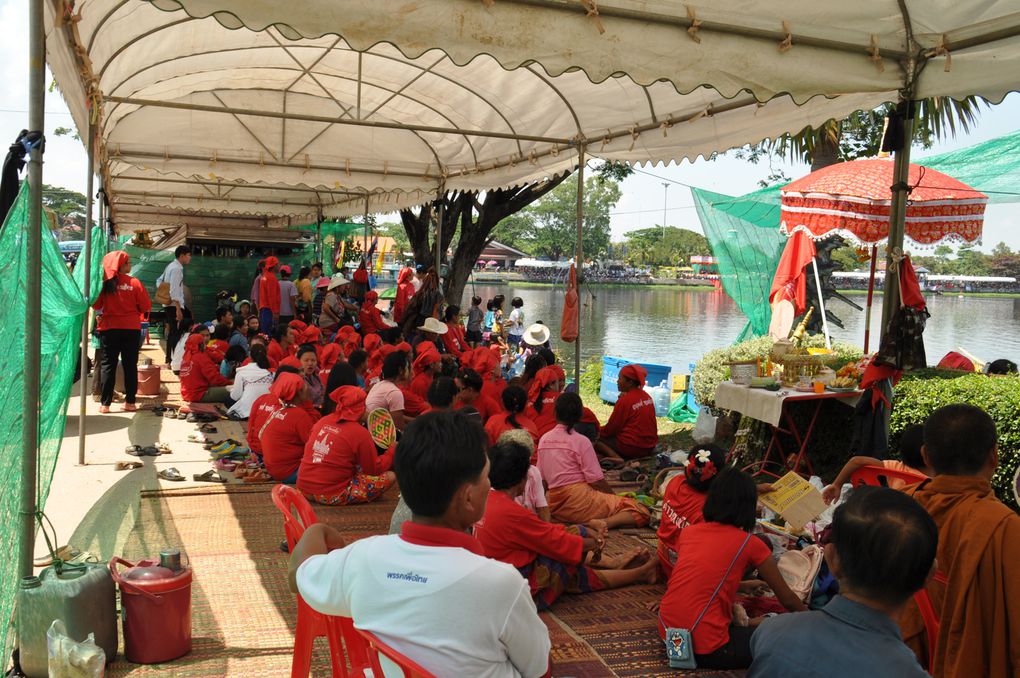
(919, 394)
(591, 377)
(710, 370)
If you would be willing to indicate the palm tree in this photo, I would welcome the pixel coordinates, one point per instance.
(860, 134)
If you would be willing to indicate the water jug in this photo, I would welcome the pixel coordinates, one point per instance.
(660, 396)
(156, 606)
(82, 595)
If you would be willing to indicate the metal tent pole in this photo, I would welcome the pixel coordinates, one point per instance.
(871, 297)
(33, 287)
(86, 260)
(579, 256)
(897, 212)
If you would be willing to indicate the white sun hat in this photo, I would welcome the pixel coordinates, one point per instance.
(434, 326)
(536, 335)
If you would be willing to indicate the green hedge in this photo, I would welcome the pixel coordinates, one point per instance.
(921, 393)
(591, 376)
(710, 371)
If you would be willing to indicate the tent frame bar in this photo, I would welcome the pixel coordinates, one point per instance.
(241, 184)
(86, 260)
(331, 120)
(28, 505)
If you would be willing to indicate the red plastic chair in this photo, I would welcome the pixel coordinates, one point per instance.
(880, 476)
(297, 516)
(376, 648)
(931, 624)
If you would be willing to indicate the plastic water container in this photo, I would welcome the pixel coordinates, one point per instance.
(156, 605)
(611, 367)
(148, 380)
(81, 595)
(661, 397)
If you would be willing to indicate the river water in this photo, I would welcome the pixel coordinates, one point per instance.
(676, 327)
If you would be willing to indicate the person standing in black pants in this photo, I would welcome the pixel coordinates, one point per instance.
(177, 314)
(121, 304)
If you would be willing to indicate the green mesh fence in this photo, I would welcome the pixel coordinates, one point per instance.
(63, 307)
(992, 167)
(745, 238)
(207, 275)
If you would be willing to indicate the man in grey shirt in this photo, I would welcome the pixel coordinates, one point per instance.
(288, 296)
(177, 315)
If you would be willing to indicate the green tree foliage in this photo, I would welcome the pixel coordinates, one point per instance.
(671, 246)
(69, 208)
(1002, 261)
(548, 227)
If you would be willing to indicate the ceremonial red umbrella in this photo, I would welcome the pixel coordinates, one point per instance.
(853, 200)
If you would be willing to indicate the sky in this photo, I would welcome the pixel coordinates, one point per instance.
(643, 193)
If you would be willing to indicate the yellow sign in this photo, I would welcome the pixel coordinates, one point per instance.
(795, 499)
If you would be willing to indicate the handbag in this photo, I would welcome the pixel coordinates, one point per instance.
(799, 569)
(163, 294)
(679, 644)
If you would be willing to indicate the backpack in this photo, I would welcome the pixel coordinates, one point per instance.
(799, 569)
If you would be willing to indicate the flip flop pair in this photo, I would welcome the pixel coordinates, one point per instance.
(127, 465)
(139, 451)
(171, 474)
(209, 476)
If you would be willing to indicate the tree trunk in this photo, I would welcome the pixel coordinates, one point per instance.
(826, 150)
(472, 223)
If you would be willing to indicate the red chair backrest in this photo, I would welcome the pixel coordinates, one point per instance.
(375, 647)
(880, 476)
(291, 502)
(931, 624)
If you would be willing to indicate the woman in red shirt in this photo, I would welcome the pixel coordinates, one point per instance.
(370, 317)
(286, 428)
(341, 464)
(263, 406)
(201, 381)
(554, 558)
(515, 400)
(122, 303)
(405, 290)
(269, 295)
(454, 340)
(712, 559)
(545, 389)
(631, 431)
(684, 498)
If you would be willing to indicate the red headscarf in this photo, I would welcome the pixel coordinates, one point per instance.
(297, 325)
(545, 376)
(310, 335)
(405, 275)
(635, 373)
(217, 350)
(272, 262)
(287, 386)
(424, 359)
(372, 343)
(371, 297)
(194, 344)
(291, 361)
(361, 275)
(485, 361)
(350, 403)
(112, 262)
(329, 355)
(405, 347)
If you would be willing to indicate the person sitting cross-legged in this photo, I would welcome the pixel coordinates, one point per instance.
(631, 431)
(554, 558)
(430, 593)
(341, 464)
(881, 548)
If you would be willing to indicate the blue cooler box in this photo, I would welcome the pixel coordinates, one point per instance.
(611, 371)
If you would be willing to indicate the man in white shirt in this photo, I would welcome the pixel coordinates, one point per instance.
(429, 592)
(177, 315)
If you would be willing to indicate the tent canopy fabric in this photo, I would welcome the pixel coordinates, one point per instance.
(801, 47)
(196, 117)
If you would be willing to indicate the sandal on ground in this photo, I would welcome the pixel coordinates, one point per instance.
(135, 450)
(163, 448)
(171, 474)
(150, 451)
(207, 428)
(209, 476)
(127, 465)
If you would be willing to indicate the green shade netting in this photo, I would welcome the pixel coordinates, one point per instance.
(63, 308)
(745, 238)
(207, 275)
(333, 229)
(744, 231)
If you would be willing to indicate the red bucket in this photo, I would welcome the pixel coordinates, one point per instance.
(148, 380)
(156, 610)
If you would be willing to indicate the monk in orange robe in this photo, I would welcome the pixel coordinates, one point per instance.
(976, 589)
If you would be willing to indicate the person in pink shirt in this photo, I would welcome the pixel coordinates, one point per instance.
(578, 491)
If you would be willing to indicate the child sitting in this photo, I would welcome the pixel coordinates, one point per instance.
(711, 560)
(684, 500)
(910, 451)
(553, 558)
(578, 491)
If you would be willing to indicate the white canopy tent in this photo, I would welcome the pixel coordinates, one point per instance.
(191, 114)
